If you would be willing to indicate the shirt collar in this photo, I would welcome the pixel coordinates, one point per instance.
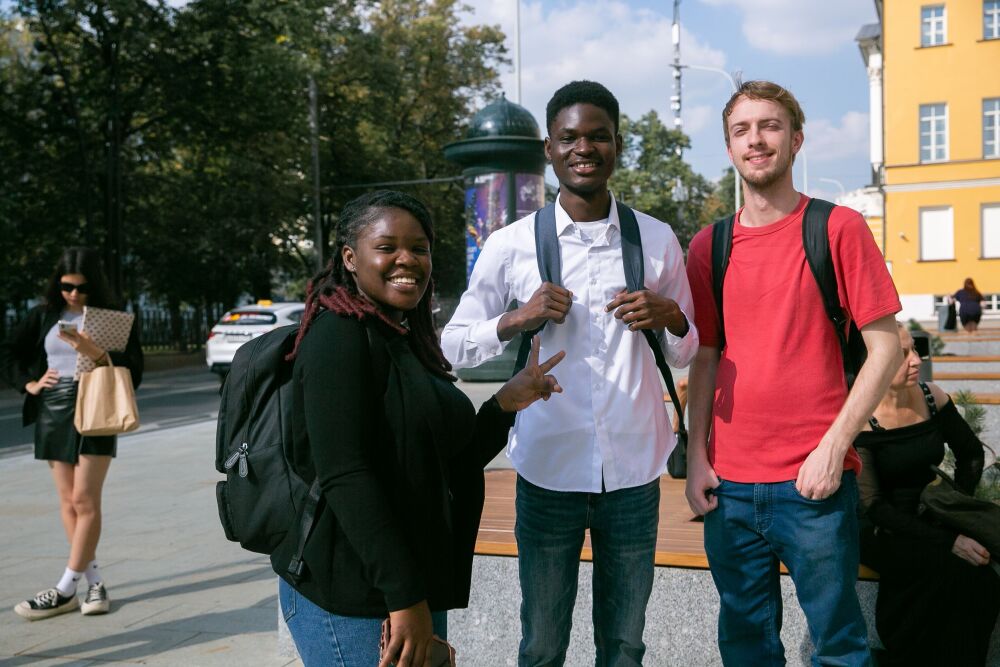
(564, 222)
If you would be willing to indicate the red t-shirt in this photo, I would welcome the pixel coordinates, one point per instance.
(780, 382)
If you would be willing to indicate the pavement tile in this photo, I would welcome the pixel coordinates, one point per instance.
(135, 646)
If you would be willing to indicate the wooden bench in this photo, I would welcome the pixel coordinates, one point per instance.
(678, 543)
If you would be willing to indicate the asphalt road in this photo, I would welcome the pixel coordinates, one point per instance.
(165, 399)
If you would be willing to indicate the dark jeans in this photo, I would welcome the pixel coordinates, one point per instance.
(753, 527)
(550, 529)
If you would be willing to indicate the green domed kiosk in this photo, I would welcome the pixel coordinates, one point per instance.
(503, 164)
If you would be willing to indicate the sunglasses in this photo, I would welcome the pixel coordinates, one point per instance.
(82, 288)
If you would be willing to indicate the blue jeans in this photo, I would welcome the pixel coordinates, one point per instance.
(753, 527)
(324, 639)
(550, 529)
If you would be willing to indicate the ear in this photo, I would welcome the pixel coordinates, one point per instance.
(619, 145)
(347, 254)
(548, 149)
(798, 138)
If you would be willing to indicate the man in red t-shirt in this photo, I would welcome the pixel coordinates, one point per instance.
(770, 463)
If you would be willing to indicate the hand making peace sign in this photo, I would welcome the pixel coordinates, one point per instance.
(532, 383)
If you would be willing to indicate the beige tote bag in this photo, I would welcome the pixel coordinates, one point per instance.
(105, 402)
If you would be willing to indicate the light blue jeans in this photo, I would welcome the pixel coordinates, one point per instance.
(753, 527)
(550, 528)
(324, 639)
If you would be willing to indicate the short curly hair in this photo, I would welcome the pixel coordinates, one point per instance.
(582, 92)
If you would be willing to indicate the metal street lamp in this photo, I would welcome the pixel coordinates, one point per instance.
(840, 185)
(732, 82)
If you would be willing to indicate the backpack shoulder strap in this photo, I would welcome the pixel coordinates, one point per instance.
(635, 279)
(635, 276)
(722, 248)
(549, 268)
(816, 243)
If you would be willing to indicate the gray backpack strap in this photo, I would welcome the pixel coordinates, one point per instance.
(549, 268)
(635, 280)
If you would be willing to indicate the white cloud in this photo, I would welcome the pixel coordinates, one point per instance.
(827, 141)
(800, 27)
(626, 48)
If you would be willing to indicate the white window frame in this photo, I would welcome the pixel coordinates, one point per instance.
(933, 28)
(991, 19)
(991, 122)
(984, 252)
(928, 112)
(924, 255)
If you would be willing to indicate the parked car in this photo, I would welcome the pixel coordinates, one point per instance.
(243, 324)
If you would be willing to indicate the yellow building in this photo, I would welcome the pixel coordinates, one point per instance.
(934, 74)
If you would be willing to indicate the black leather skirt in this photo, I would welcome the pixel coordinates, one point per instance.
(55, 437)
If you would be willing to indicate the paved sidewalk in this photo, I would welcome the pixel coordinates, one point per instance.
(181, 593)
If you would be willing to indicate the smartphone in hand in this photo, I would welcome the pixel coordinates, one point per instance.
(66, 327)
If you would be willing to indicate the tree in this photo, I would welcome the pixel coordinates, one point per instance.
(649, 171)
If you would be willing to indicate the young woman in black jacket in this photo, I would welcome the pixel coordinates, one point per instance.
(397, 448)
(39, 360)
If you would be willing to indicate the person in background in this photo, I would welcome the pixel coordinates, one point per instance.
(970, 306)
(39, 360)
(937, 599)
(398, 450)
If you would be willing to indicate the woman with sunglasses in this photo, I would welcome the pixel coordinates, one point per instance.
(39, 359)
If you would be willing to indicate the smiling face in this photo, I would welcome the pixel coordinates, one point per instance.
(762, 143)
(583, 147)
(909, 371)
(391, 262)
(76, 298)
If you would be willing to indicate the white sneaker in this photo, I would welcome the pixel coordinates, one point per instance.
(96, 601)
(45, 604)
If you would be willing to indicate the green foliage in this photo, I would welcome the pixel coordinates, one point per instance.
(648, 173)
(973, 413)
(178, 139)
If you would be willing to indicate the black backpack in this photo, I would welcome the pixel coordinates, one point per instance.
(550, 269)
(816, 243)
(262, 497)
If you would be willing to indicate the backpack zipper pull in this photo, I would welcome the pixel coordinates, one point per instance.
(241, 456)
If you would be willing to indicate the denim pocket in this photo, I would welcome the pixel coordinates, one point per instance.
(286, 598)
(811, 501)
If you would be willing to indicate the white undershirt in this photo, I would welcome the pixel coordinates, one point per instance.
(60, 354)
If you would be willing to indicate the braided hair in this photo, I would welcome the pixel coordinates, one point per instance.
(334, 287)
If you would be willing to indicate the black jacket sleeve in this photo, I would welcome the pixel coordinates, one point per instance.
(490, 434)
(968, 449)
(18, 351)
(131, 357)
(884, 515)
(342, 412)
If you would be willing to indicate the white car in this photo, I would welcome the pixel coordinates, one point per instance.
(243, 324)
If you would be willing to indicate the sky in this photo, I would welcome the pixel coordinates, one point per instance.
(805, 45)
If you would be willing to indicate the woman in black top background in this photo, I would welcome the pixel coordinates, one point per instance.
(938, 599)
(39, 360)
(397, 448)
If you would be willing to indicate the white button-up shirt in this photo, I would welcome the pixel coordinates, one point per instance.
(609, 423)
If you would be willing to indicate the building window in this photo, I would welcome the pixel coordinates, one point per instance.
(937, 234)
(991, 19)
(991, 231)
(991, 127)
(932, 25)
(933, 132)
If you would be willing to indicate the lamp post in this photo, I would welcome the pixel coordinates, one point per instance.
(732, 82)
(843, 191)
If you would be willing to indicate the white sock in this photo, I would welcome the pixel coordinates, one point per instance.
(93, 573)
(67, 585)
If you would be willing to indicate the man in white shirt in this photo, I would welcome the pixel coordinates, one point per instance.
(591, 457)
